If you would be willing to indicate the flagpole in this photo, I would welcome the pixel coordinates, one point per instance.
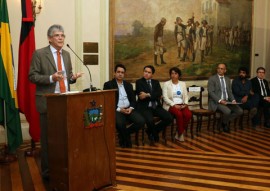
(5, 157)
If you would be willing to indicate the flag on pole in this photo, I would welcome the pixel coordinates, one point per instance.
(9, 112)
(25, 89)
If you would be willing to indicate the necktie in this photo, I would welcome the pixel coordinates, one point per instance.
(153, 103)
(263, 88)
(59, 66)
(223, 88)
(149, 85)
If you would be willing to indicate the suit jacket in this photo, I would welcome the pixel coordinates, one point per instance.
(168, 94)
(257, 88)
(142, 86)
(112, 84)
(240, 90)
(42, 66)
(215, 92)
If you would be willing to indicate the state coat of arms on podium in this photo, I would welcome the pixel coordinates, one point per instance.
(93, 116)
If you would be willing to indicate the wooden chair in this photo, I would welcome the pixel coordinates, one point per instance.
(196, 101)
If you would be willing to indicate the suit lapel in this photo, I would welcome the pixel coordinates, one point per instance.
(65, 59)
(50, 58)
(218, 81)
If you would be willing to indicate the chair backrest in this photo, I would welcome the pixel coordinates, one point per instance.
(195, 95)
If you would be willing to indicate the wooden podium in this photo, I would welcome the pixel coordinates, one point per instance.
(81, 157)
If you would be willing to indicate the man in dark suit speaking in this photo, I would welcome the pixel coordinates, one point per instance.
(51, 71)
(220, 94)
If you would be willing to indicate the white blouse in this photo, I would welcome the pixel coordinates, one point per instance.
(177, 94)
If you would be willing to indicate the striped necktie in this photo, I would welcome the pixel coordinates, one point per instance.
(223, 88)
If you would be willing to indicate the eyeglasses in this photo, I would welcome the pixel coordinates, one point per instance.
(261, 72)
(59, 35)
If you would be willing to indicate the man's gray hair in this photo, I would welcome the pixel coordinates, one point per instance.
(53, 29)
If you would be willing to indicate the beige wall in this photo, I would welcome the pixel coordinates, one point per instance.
(87, 21)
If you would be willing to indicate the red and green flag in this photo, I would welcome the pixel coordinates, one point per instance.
(25, 89)
(9, 112)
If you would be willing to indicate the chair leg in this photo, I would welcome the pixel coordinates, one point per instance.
(208, 124)
(191, 126)
(200, 122)
(235, 122)
(198, 125)
(143, 135)
(214, 123)
(137, 138)
(172, 130)
(164, 136)
(240, 121)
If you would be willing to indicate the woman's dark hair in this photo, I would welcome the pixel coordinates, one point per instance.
(176, 70)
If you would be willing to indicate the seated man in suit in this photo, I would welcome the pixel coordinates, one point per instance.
(243, 93)
(149, 94)
(220, 93)
(260, 86)
(125, 107)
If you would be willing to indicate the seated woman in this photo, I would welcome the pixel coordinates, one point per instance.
(175, 101)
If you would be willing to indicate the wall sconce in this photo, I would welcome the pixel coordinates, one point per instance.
(36, 8)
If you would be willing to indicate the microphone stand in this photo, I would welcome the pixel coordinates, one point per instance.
(91, 88)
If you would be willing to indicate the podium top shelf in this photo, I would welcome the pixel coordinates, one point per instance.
(70, 93)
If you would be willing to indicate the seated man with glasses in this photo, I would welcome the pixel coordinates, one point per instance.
(260, 86)
(221, 97)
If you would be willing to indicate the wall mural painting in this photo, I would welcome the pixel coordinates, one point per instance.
(193, 35)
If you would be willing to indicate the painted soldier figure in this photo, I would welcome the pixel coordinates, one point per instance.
(158, 41)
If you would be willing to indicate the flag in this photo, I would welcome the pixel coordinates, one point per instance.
(9, 112)
(25, 89)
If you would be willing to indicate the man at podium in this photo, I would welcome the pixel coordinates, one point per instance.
(125, 107)
(51, 71)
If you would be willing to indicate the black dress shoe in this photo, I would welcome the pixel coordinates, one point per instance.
(156, 138)
(152, 143)
(226, 129)
(267, 125)
(128, 143)
(151, 138)
(122, 144)
(46, 179)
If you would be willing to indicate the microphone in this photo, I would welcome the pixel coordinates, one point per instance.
(91, 88)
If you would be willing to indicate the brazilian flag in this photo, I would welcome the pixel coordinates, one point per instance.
(9, 112)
